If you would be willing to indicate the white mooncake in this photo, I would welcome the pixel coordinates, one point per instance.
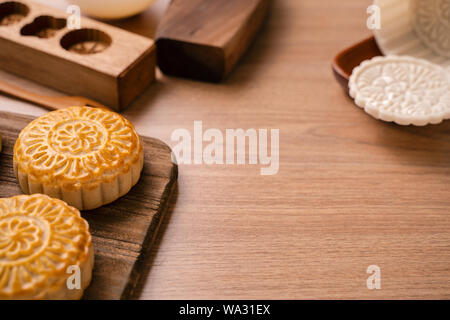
(45, 249)
(403, 90)
(87, 157)
(417, 28)
(431, 19)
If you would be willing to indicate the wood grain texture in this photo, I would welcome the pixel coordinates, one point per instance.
(115, 76)
(204, 39)
(351, 191)
(123, 231)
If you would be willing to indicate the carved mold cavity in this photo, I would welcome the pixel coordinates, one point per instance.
(43, 27)
(86, 41)
(12, 12)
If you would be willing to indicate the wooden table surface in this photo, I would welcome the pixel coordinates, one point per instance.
(351, 191)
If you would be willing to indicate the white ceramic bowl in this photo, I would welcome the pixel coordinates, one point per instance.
(112, 9)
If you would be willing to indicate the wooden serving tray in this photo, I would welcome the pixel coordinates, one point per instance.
(122, 231)
(346, 60)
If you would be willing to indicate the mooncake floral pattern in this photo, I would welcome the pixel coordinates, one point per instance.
(39, 238)
(432, 24)
(77, 144)
(19, 237)
(77, 137)
(402, 89)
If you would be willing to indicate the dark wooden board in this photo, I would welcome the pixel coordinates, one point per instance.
(122, 231)
(204, 39)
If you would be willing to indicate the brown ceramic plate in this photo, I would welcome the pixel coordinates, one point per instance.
(348, 59)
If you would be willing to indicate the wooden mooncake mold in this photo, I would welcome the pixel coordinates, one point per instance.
(87, 157)
(43, 241)
(75, 54)
(404, 90)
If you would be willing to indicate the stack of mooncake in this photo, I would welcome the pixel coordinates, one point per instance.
(78, 158)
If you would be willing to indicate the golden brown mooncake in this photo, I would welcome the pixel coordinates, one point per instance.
(43, 241)
(87, 157)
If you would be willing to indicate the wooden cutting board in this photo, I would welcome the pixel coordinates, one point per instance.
(122, 231)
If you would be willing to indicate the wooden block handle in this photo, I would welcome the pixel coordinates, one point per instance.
(204, 39)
